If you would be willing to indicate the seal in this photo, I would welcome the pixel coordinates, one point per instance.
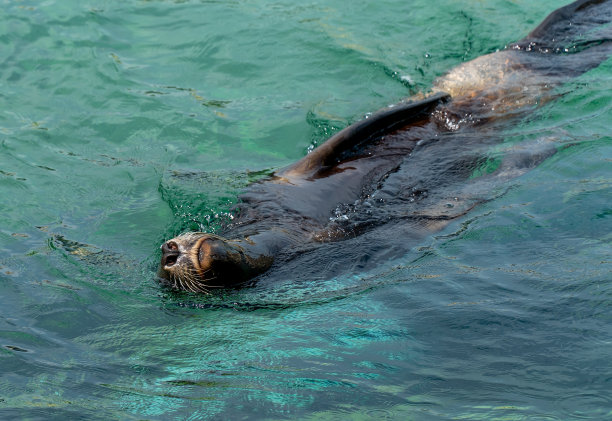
(293, 206)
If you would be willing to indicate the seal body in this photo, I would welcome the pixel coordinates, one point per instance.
(296, 206)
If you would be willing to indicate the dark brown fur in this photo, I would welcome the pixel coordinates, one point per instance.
(294, 206)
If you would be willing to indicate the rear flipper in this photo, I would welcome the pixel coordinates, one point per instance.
(581, 27)
(572, 25)
(512, 82)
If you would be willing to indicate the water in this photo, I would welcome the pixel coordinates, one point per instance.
(124, 123)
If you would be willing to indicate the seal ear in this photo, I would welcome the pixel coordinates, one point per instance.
(229, 262)
(376, 125)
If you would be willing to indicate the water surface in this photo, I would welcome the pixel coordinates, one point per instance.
(125, 123)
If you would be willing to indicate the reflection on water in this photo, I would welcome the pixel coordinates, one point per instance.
(504, 314)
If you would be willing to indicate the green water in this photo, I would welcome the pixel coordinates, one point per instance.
(125, 123)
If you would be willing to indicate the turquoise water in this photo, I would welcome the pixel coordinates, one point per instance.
(124, 123)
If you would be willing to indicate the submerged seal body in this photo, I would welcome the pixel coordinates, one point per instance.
(293, 206)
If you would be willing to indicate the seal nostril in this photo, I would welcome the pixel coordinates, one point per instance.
(171, 247)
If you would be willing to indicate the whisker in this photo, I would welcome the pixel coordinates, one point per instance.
(199, 288)
(180, 279)
(174, 281)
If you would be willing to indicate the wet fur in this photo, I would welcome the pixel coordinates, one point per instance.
(293, 207)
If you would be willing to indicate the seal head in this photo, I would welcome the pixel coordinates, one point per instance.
(197, 261)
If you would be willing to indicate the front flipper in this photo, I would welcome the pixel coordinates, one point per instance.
(378, 124)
